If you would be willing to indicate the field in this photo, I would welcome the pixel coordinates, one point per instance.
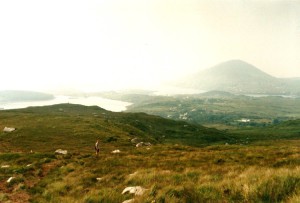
(249, 165)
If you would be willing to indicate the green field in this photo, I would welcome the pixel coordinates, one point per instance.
(185, 163)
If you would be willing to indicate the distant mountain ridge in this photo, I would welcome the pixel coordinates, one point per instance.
(239, 77)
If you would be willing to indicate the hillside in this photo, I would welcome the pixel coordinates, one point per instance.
(80, 126)
(173, 169)
(239, 77)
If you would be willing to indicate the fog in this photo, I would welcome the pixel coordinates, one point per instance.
(105, 45)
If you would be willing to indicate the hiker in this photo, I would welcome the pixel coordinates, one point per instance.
(97, 149)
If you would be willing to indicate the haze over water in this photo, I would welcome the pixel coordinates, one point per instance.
(108, 104)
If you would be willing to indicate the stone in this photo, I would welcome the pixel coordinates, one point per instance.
(8, 129)
(136, 190)
(60, 151)
(116, 151)
(135, 140)
(141, 144)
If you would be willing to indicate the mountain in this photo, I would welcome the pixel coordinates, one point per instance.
(239, 77)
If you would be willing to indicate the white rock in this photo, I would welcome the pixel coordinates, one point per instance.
(137, 190)
(139, 144)
(143, 144)
(5, 166)
(28, 165)
(8, 129)
(99, 179)
(128, 201)
(10, 179)
(116, 151)
(60, 151)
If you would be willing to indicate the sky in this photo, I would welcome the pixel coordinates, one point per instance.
(119, 44)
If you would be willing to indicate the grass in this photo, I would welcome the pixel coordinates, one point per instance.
(169, 173)
(262, 170)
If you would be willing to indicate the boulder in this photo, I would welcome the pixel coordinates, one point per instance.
(116, 151)
(136, 190)
(8, 129)
(60, 151)
(141, 144)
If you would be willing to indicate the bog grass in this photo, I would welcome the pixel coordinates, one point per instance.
(169, 173)
(189, 164)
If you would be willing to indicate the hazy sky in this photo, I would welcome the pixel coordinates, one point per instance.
(109, 44)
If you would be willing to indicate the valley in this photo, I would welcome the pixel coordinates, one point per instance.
(217, 109)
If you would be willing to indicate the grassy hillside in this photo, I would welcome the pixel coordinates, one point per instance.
(173, 169)
(79, 126)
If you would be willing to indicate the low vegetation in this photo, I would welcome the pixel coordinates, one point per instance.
(183, 166)
(170, 173)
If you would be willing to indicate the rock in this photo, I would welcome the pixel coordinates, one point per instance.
(135, 140)
(10, 179)
(136, 190)
(8, 129)
(60, 151)
(28, 165)
(99, 179)
(141, 144)
(5, 166)
(128, 201)
(116, 151)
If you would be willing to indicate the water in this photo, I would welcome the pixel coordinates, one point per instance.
(268, 95)
(108, 104)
